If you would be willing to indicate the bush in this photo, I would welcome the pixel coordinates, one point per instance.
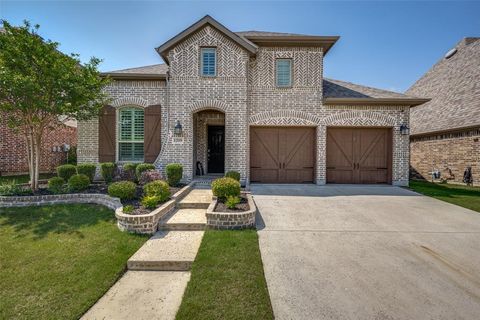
(232, 202)
(66, 171)
(87, 169)
(143, 167)
(174, 173)
(55, 185)
(149, 176)
(11, 188)
(78, 182)
(233, 174)
(157, 188)
(223, 188)
(150, 202)
(107, 171)
(128, 209)
(129, 171)
(123, 189)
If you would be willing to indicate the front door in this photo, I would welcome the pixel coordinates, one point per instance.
(216, 149)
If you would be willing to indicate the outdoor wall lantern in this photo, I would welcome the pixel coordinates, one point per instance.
(178, 130)
(404, 130)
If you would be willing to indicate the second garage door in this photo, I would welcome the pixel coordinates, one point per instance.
(282, 154)
(359, 155)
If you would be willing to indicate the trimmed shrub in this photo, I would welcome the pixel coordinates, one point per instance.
(128, 208)
(55, 185)
(66, 171)
(149, 176)
(233, 174)
(78, 182)
(232, 202)
(11, 188)
(143, 167)
(87, 169)
(107, 171)
(150, 202)
(124, 190)
(174, 173)
(129, 171)
(157, 188)
(223, 188)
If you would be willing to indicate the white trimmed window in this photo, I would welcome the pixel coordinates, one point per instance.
(283, 72)
(208, 63)
(130, 134)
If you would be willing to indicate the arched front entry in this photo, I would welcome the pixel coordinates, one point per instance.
(209, 142)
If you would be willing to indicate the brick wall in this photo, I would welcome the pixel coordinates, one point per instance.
(13, 150)
(454, 151)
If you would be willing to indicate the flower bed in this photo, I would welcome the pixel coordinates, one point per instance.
(234, 218)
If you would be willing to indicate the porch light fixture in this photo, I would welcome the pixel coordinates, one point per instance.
(178, 130)
(404, 130)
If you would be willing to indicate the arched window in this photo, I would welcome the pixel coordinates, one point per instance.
(130, 134)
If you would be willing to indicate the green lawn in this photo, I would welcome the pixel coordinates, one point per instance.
(467, 197)
(56, 261)
(24, 178)
(227, 279)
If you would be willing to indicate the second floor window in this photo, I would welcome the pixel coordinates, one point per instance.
(284, 72)
(130, 134)
(208, 62)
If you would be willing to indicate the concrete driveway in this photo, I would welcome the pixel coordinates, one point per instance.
(367, 252)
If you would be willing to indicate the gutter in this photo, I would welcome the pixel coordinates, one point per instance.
(134, 76)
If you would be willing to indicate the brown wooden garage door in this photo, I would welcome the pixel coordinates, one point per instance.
(282, 154)
(359, 155)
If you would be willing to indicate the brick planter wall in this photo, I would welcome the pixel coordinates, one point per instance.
(231, 220)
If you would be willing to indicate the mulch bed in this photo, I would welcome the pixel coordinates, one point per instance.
(242, 206)
(102, 188)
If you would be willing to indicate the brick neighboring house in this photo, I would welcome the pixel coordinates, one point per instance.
(13, 149)
(255, 102)
(445, 132)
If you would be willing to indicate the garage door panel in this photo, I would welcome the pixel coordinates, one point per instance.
(359, 155)
(282, 154)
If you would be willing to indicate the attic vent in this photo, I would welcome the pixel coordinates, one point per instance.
(450, 53)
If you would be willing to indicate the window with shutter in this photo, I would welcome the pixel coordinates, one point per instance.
(131, 134)
(284, 72)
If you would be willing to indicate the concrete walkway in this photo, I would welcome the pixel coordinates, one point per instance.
(360, 252)
(159, 271)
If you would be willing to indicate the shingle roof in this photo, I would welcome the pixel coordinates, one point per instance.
(153, 72)
(255, 33)
(453, 85)
(342, 89)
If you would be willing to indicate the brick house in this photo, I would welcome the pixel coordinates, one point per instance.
(13, 148)
(254, 102)
(445, 132)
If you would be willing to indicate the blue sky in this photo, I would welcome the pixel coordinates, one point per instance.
(384, 44)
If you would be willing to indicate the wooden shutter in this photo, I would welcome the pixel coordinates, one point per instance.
(152, 140)
(106, 135)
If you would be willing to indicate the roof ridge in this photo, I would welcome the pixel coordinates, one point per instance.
(369, 87)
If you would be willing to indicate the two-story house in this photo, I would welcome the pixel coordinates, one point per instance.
(254, 102)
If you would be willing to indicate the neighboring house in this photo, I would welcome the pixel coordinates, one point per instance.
(13, 149)
(445, 132)
(254, 102)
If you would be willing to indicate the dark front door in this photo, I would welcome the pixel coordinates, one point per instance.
(216, 149)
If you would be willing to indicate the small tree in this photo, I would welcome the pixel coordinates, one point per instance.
(39, 85)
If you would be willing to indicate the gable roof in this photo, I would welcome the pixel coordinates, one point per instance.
(336, 92)
(156, 71)
(266, 38)
(453, 86)
(207, 20)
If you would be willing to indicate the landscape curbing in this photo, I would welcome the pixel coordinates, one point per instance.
(144, 223)
(231, 220)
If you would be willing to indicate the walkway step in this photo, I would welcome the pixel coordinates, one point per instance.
(196, 199)
(167, 251)
(184, 219)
